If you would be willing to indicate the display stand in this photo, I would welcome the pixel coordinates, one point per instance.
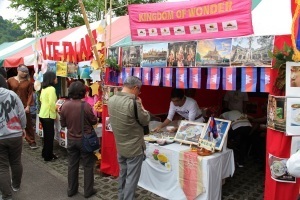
(278, 144)
(109, 163)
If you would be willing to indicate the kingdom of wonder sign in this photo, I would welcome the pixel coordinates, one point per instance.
(190, 20)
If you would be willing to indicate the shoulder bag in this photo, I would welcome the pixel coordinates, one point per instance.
(90, 142)
(146, 128)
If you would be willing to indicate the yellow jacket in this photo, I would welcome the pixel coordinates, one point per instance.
(48, 100)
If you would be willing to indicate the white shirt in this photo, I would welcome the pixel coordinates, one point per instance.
(235, 100)
(189, 110)
(238, 119)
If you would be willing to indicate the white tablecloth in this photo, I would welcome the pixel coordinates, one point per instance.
(165, 184)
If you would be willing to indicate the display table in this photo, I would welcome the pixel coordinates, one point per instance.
(166, 184)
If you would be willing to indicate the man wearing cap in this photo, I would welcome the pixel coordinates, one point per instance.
(22, 86)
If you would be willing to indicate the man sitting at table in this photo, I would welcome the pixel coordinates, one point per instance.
(239, 133)
(184, 106)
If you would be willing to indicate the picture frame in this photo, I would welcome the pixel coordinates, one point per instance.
(292, 85)
(189, 132)
(222, 128)
(276, 113)
(293, 116)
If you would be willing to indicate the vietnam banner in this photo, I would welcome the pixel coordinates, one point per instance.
(249, 79)
(127, 71)
(146, 78)
(229, 78)
(156, 74)
(181, 78)
(167, 77)
(191, 20)
(213, 78)
(195, 78)
(137, 72)
(265, 75)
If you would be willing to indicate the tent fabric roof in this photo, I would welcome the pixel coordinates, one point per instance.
(26, 56)
(13, 47)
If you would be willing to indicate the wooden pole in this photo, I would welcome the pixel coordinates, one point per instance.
(90, 35)
(110, 13)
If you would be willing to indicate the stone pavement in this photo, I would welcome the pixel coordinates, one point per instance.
(39, 171)
(48, 180)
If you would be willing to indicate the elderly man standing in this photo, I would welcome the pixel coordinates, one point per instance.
(22, 86)
(129, 135)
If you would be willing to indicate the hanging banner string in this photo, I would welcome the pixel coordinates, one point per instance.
(295, 27)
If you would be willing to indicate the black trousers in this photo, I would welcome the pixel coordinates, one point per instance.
(240, 136)
(75, 153)
(48, 129)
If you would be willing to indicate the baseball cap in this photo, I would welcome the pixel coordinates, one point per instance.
(293, 164)
(23, 69)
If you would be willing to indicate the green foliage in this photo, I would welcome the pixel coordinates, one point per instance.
(113, 64)
(281, 57)
(123, 10)
(10, 31)
(56, 15)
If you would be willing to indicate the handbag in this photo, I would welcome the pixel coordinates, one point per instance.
(145, 128)
(90, 142)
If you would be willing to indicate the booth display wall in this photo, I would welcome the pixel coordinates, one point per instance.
(279, 145)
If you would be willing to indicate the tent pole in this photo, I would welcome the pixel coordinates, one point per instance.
(110, 13)
(90, 35)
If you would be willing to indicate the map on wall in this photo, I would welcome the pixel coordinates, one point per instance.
(252, 51)
(155, 55)
(214, 52)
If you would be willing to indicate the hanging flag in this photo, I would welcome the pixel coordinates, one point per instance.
(229, 78)
(137, 72)
(213, 78)
(195, 78)
(181, 78)
(167, 77)
(156, 74)
(265, 79)
(249, 79)
(127, 71)
(146, 78)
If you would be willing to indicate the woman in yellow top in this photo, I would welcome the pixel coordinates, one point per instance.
(47, 114)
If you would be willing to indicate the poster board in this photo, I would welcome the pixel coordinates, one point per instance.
(292, 85)
(189, 132)
(220, 135)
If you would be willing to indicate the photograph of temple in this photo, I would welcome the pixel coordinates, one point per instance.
(214, 52)
(252, 51)
(154, 55)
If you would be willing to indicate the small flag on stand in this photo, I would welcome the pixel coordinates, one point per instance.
(249, 79)
(229, 78)
(156, 76)
(146, 78)
(181, 78)
(120, 77)
(195, 78)
(265, 76)
(213, 78)
(167, 77)
(212, 128)
(137, 72)
(127, 71)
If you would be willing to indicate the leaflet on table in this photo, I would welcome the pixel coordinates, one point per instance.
(159, 157)
(279, 171)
